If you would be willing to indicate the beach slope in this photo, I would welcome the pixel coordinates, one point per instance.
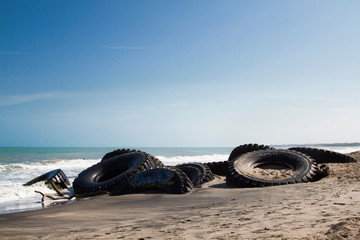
(327, 209)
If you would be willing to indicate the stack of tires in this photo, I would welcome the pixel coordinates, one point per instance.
(127, 171)
(113, 171)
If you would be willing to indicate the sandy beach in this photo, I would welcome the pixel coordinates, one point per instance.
(327, 209)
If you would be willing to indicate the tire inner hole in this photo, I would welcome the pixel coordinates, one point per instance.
(272, 166)
(111, 174)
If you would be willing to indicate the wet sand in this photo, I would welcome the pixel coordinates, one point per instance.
(327, 209)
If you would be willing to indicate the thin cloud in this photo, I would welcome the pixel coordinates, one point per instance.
(11, 53)
(335, 99)
(124, 47)
(169, 105)
(349, 109)
(25, 98)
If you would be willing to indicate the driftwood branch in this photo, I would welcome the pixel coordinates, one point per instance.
(63, 196)
(45, 195)
(56, 189)
(52, 197)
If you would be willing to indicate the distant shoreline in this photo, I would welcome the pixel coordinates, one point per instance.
(323, 144)
(343, 144)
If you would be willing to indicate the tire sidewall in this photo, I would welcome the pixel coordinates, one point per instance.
(91, 177)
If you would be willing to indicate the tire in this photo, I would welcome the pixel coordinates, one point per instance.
(57, 177)
(242, 149)
(119, 152)
(192, 173)
(204, 172)
(168, 179)
(105, 176)
(303, 168)
(218, 168)
(324, 156)
(221, 168)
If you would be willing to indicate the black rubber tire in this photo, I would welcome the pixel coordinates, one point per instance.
(169, 179)
(119, 152)
(221, 168)
(242, 149)
(305, 168)
(105, 176)
(218, 168)
(57, 176)
(193, 173)
(325, 156)
(205, 173)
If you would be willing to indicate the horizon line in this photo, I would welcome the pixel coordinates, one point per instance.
(287, 144)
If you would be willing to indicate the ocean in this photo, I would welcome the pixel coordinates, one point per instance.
(19, 165)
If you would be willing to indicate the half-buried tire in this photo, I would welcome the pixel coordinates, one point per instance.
(105, 176)
(168, 179)
(218, 168)
(192, 173)
(221, 168)
(271, 167)
(325, 156)
(56, 177)
(204, 172)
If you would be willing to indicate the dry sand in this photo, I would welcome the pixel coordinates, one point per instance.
(327, 209)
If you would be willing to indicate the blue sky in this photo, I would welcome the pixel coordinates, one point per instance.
(179, 73)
